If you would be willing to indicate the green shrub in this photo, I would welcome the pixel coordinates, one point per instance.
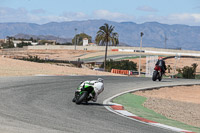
(122, 65)
(179, 75)
(33, 58)
(188, 72)
(20, 45)
(7, 45)
(197, 76)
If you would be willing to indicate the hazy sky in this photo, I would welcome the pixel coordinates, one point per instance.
(139, 11)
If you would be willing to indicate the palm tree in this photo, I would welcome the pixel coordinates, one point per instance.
(115, 40)
(104, 36)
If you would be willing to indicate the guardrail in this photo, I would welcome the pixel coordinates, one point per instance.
(175, 53)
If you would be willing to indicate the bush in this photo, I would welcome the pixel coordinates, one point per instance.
(197, 76)
(188, 72)
(122, 65)
(7, 45)
(67, 43)
(20, 45)
(33, 58)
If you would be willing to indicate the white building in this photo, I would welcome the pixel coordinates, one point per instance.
(18, 41)
(85, 42)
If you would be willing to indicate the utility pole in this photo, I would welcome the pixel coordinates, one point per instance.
(141, 34)
(177, 57)
(75, 39)
(165, 41)
(105, 56)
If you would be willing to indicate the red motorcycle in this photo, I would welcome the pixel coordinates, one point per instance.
(157, 74)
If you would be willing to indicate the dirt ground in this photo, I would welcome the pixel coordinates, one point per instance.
(49, 54)
(181, 103)
(12, 67)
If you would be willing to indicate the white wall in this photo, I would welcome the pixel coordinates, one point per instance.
(148, 50)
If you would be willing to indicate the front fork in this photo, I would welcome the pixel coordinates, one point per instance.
(160, 73)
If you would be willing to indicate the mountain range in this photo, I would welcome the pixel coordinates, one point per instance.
(155, 34)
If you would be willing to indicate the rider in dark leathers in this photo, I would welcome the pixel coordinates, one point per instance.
(161, 63)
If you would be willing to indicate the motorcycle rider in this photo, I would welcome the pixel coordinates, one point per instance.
(97, 85)
(161, 63)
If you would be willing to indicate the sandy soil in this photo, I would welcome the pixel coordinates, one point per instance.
(50, 54)
(180, 103)
(12, 67)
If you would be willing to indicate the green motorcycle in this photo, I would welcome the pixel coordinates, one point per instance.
(84, 93)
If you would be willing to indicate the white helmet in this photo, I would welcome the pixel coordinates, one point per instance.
(100, 80)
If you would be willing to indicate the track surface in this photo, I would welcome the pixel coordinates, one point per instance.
(114, 57)
(43, 104)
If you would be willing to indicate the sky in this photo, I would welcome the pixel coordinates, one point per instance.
(185, 12)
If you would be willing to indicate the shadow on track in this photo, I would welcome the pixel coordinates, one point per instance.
(166, 81)
(163, 81)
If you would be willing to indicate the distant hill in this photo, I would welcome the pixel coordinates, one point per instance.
(178, 36)
(43, 37)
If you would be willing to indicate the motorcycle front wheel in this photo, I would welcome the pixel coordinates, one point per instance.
(160, 76)
(154, 77)
(82, 97)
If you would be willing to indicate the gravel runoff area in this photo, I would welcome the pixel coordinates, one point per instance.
(181, 103)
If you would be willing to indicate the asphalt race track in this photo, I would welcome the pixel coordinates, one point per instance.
(101, 58)
(44, 105)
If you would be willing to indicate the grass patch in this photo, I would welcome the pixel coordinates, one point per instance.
(132, 57)
(93, 57)
(197, 77)
(134, 104)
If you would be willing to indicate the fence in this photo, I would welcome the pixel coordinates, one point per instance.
(125, 72)
(150, 64)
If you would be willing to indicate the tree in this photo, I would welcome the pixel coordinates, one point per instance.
(80, 38)
(104, 36)
(9, 43)
(115, 40)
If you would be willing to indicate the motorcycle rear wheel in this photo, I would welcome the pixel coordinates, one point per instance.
(74, 99)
